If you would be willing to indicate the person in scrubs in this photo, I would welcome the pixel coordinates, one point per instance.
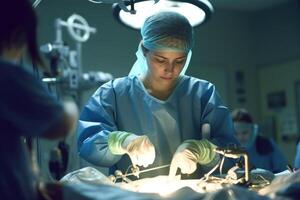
(263, 152)
(297, 156)
(156, 115)
(27, 109)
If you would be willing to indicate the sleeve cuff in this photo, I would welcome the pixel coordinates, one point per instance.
(115, 140)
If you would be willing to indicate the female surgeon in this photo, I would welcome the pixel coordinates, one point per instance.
(156, 114)
(27, 109)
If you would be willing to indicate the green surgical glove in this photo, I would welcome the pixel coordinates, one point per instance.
(139, 148)
(191, 152)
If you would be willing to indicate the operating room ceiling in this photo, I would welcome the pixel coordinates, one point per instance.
(238, 5)
(247, 5)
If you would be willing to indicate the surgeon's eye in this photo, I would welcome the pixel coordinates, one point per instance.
(180, 62)
(160, 60)
(244, 132)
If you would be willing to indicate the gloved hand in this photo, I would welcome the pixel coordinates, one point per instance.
(191, 152)
(139, 148)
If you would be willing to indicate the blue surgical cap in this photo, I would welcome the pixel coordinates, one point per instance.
(167, 31)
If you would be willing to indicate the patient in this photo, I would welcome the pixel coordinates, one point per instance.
(27, 109)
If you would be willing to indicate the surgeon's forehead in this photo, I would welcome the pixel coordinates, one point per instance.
(168, 54)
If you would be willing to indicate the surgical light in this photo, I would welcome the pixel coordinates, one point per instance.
(196, 11)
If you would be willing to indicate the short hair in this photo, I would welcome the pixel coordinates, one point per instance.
(241, 115)
(18, 23)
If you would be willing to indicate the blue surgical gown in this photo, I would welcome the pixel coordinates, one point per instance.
(273, 161)
(27, 110)
(297, 157)
(125, 105)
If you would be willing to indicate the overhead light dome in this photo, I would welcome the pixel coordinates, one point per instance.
(196, 11)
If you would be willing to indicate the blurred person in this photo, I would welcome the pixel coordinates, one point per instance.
(155, 114)
(297, 157)
(263, 152)
(27, 109)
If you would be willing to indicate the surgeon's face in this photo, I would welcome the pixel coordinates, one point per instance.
(243, 131)
(164, 67)
(244, 136)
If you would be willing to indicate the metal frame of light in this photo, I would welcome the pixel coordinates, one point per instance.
(203, 6)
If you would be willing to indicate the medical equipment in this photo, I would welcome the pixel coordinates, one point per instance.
(122, 3)
(235, 152)
(254, 179)
(135, 171)
(90, 183)
(198, 12)
(66, 79)
(232, 176)
(166, 187)
(66, 64)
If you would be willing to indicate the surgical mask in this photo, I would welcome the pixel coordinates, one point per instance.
(247, 128)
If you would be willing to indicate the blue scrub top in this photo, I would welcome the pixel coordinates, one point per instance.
(273, 161)
(297, 157)
(125, 105)
(27, 110)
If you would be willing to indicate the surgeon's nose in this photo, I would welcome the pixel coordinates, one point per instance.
(169, 67)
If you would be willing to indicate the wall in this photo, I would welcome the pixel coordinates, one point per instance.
(277, 58)
(224, 45)
(281, 77)
(278, 31)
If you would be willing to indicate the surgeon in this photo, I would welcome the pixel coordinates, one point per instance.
(263, 152)
(156, 115)
(27, 109)
(297, 156)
